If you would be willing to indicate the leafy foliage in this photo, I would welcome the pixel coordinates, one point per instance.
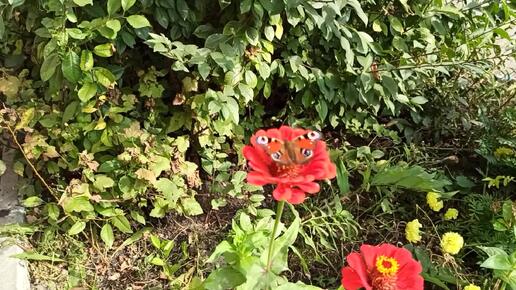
(129, 114)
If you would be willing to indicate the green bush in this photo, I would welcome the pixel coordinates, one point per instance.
(128, 110)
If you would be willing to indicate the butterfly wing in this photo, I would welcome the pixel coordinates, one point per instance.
(275, 148)
(301, 149)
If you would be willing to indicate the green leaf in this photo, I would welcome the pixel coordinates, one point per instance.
(70, 67)
(342, 178)
(105, 77)
(113, 6)
(168, 189)
(251, 79)
(356, 5)
(411, 177)
(138, 217)
(269, 33)
(77, 228)
(78, 204)
(32, 201)
(104, 50)
(322, 108)
(126, 4)
(252, 35)
(155, 241)
(233, 109)
(87, 91)
(49, 66)
(102, 182)
(52, 210)
(245, 6)
(86, 62)
(191, 206)
(390, 84)
(122, 223)
(182, 9)
(106, 234)
(224, 278)
(114, 25)
(377, 27)
(497, 262)
(246, 92)
(419, 100)
(263, 69)
(82, 3)
(29, 255)
(138, 21)
(396, 24)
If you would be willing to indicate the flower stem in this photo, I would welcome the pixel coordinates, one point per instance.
(279, 212)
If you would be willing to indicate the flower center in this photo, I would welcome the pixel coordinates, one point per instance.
(387, 266)
(383, 277)
(285, 170)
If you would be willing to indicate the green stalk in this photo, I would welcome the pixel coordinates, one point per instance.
(279, 212)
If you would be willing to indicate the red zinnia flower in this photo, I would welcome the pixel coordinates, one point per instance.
(299, 162)
(383, 267)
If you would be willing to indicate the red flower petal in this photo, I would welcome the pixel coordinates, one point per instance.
(351, 280)
(356, 262)
(309, 187)
(257, 178)
(286, 193)
(258, 160)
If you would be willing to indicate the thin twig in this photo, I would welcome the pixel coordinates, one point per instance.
(13, 134)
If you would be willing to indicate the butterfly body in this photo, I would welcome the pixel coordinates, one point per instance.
(290, 152)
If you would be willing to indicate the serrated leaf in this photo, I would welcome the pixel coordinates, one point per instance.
(106, 234)
(246, 92)
(102, 182)
(251, 79)
(77, 228)
(191, 206)
(138, 21)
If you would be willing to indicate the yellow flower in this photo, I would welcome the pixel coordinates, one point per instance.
(451, 214)
(412, 231)
(432, 198)
(451, 243)
(472, 287)
(501, 152)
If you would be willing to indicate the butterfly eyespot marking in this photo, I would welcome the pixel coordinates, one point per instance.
(314, 135)
(307, 152)
(262, 140)
(276, 156)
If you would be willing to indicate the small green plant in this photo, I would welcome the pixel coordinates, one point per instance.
(502, 264)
